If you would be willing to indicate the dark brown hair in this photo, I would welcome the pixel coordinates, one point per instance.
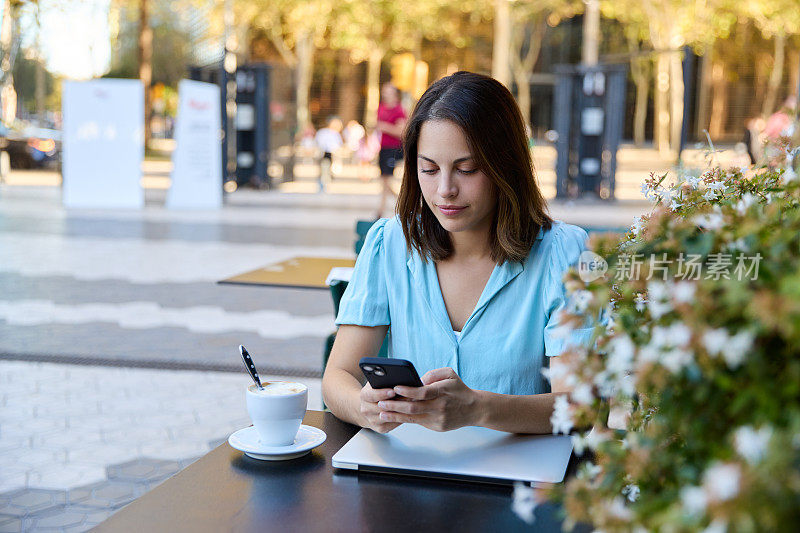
(491, 121)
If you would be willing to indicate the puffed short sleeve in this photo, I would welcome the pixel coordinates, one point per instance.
(366, 301)
(568, 243)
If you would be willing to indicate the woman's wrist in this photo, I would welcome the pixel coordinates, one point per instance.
(482, 408)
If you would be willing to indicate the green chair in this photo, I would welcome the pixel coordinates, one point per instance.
(337, 289)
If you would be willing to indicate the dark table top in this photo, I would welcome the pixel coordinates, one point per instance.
(228, 491)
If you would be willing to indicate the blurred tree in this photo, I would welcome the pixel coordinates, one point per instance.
(371, 29)
(35, 85)
(777, 20)
(295, 28)
(9, 46)
(171, 45)
(669, 25)
(529, 22)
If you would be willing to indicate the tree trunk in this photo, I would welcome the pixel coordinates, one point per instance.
(676, 100)
(776, 76)
(521, 78)
(640, 110)
(640, 72)
(349, 88)
(373, 87)
(146, 63)
(794, 72)
(522, 65)
(502, 42)
(661, 134)
(305, 65)
(703, 93)
(591, 32)
(719, 99)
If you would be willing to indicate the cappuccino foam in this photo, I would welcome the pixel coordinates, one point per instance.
(279, 388)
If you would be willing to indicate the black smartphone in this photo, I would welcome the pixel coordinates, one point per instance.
(386, 373)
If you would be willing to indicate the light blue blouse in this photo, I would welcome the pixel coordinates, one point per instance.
(503, 344)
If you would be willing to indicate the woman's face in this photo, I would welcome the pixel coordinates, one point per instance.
(460, 195)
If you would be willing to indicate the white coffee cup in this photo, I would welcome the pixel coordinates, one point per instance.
(277, 411)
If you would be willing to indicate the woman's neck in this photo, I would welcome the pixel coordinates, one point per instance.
(471, 245)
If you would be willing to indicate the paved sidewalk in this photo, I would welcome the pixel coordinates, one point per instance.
(79, 442)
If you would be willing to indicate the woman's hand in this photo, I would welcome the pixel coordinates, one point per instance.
(442, 404)
(370, 411)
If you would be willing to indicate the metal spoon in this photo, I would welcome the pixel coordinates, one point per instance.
(251, 368)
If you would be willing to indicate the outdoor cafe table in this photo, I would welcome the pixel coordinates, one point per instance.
(298, 272)
(227, 491)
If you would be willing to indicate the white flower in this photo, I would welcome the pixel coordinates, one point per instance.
(638, 224)
(659, 298)
(676, 359)
(648, 354)
(664, 194)
(640, 301)
(525, 502)
(710, 195)
(745, 202)
(590, 471)
(694, 181)
(712, 221)
(620, 354)
(716, 186)
(675, 205)
(714, 340)
(606, 383)
(659, 308)
(738, 244)
(580, 300)
(694, 500)
(736, 349)
(590, 440)
(789, 176)
(717, 526)
(578, 443)
(658, 290)
(680, 333)
(631, 491)
(627, 386)
(645, 190)
(555, 372)
(582, 394)
(561, 419)
(683, 292)
(617, 509)
(733, 349)
(721, 481)
(752, 444)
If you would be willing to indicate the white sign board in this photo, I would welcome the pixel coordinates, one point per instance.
(103, 145)
(197, 159)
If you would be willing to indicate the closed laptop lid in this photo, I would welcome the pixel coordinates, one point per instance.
(473, 453)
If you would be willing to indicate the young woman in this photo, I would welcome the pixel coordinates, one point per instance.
(466, 280)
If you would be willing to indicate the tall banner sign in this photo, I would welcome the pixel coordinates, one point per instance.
(103, 144)
(197, 159)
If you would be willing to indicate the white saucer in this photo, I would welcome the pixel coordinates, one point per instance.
(246, 440)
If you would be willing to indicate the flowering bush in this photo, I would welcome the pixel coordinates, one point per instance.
(699, 350)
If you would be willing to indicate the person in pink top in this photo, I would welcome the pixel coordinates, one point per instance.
(391, 121)
(779, 121)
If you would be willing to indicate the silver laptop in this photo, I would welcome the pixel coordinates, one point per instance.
(469, 453)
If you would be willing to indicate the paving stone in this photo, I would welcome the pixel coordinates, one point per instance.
(10, 524)
(55, 519)
(110, 494)
(143, 470)
(27, 501)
